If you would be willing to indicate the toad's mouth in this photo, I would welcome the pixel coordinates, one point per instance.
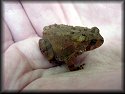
(99, 43)
(94, 44)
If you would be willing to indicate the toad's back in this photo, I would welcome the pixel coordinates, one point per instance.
(60, 39)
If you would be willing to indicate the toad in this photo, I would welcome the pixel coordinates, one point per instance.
(63, 43)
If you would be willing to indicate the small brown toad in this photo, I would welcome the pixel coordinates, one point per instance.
(63, 43)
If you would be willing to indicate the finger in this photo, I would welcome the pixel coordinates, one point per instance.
(17, 21)
(82, 81)
(43, 13)
(30, 49)
(15, 66)
(71, 14)
(7, 37)
(99, 14)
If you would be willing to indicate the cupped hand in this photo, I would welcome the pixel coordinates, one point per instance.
(24, 66)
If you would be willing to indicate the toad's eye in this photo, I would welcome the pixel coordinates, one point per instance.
(93, 42)
(72, 32)
(95, 30)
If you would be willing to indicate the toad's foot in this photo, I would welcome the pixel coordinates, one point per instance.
(81, 67)
(74, 68)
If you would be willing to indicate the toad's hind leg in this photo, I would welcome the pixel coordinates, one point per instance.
(46, 49)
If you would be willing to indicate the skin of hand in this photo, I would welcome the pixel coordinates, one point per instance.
(25, 68)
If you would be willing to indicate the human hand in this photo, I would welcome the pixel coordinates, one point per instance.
(25, 68)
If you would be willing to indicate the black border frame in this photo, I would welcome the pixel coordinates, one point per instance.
(123, 28)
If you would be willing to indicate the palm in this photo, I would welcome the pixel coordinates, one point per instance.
(26, 68)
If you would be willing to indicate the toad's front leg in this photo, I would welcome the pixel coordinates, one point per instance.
(72, 65)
